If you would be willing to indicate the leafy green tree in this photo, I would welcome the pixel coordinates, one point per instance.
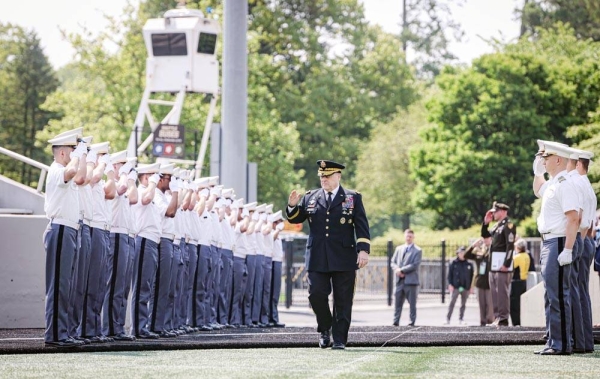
(27, 79)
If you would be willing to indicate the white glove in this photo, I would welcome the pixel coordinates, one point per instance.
(132, 175)
(79, 150)
(215, 191)
(193, 186)
(538, 166)
(245, 212)
(184, 184)
(91, 157)
(220, 203)
(204, 192)
(173, 185)
(104, 159)
(154, 178)
(263, 217)
(255, 216)
(566, 257)
(280, 226)
(109, 167)
(125, 168)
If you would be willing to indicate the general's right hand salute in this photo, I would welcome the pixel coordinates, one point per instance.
(294, 198)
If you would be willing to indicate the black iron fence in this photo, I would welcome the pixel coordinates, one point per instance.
(375, 282)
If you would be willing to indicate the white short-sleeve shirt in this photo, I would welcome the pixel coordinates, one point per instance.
(62, 199)
(557, 200)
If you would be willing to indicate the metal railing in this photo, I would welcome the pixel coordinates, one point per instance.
(44, 168)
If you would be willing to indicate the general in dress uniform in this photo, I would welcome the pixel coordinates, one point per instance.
(338, 244)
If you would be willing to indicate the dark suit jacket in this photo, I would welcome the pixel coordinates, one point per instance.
(336, 234)
(408, 263)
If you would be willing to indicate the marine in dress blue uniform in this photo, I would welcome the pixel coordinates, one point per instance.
(338, 244)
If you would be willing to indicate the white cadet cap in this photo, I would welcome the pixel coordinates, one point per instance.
(261, 208)
(275, 217)
(237, 203)
(62, 140)
(585, 154)
(269, 208)
(184, 174)
(100, 148)
(167, 169)
(213, 180)
(555, 148)
(176, 172)
(87, 140)
(152, 168)
(202, 182)
(132, 160)
(227, 192)
(118, 157)
(251, 206)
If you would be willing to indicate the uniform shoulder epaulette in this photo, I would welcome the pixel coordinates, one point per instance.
(561, 179)
(351, 192)
(308, 192)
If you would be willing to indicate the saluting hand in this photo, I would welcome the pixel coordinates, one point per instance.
(294, 198)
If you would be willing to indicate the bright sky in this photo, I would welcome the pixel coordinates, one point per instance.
(479, 19)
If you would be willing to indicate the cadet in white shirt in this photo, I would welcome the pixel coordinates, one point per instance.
(181, 254)
(167, 207)
(267, 236)
(148, 223)
(257, 296)
(102, 190)
(118, 258)
(215, 254)
(277, 220)
(240, 273)
(62, 208)
(250, 263)
(558, 224)
(226, 249)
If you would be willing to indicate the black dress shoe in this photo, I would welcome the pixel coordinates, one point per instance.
(97, 339)
(324, 340)
(167, 334)
(147, 336)
(554, 352)
(84, 340)
(503, 323)
(66, 343)
(123, 337)
(589, 351)
(411, 324)
(542, 349)
(338, 346)
(205, 328)
(276, 325)
(395, 324)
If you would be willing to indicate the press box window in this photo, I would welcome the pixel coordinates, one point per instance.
(207, 43)
(169, 44)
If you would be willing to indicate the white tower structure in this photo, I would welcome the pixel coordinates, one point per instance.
(181, 59)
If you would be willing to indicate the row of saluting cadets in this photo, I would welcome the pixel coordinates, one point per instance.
(186, 254)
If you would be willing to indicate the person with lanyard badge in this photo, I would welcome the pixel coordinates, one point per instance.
(581, 159)
(267, 234)
(201, 234)
(148, 223)
(118, 258)
(82, 257)
(166, 205)
(501, 259)
(405, 264)
(102, 191)
(260, 217)
(558, 224)
(578, 341)
(226, 249)
(278, 226)
(181, 232)
(240, 274)
(338, 244)
(214, 278)
(248, 211)
(67, 171)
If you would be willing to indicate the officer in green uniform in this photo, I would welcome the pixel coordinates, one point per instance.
(338, 244)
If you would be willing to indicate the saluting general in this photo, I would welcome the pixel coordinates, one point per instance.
(338, 244)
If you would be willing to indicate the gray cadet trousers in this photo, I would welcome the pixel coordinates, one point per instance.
(181, 291)
(266, 292)
(81, 270)
(199, 299)
(257, 296)
(117, 264)
(128, 281)
(162, 284)
(558, 296)
(584, 291)
(247, 302)
(176, 262)
(578, 338)
(275, 291)
(214, 281)
(225, 286)
(405, 292)
(96, 284)
(60, 244)
(240, 276)
(190, 296)
(144, 271)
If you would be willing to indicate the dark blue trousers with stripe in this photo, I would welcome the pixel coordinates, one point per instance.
(117, 264)
(247, 302)
(275, 291)
(257, 295)
(578, 338)
(199, 298)
(225, 286)
(80, 279)
(190, 297)
(558, 295)
(214, 281)
(266, 293)
(96, 284)
(144, 271)
(181, 291)
(584, 291)
(128, 281)
(176, 263)
(60, 244)
(162, 283)
(238, 284)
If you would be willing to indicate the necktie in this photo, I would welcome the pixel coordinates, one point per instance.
(328, 199)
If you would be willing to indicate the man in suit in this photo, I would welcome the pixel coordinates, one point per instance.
(338, 244)
(405, 263)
